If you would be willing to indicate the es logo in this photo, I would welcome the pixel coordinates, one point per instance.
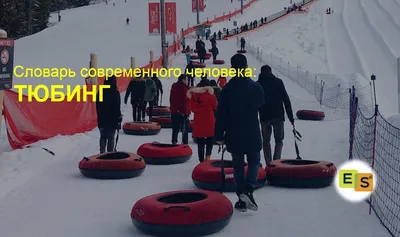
(355, 181)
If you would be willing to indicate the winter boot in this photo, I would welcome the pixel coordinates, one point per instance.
(240, 206)
(249, 200)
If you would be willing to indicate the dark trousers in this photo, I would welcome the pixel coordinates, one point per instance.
(276, 126)
(151, 104)
(242, 47)
(191, 81)
(107, 139)
(180, 122)
(214, 57)
(202, 60)
(245, 184)
(204, 144)
(137, 110)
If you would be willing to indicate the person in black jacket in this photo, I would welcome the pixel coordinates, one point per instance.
(109, 115)
(202, 54)
(190, 72)
(272, 116)
(213, 41)
(136, 89)
(214, 52)
(242, 44)
(159, 89)
(237, 126)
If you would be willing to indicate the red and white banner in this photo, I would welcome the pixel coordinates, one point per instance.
(154, 18)
(194, 5)
(170, 18)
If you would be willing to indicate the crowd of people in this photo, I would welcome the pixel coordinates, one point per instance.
(231, 116)
(221, 34)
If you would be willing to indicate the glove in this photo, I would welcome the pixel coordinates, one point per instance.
(291, 119)
(120, 119)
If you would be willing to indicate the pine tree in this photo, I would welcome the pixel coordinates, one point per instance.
(40, 15)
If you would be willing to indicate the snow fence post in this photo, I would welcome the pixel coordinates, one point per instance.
(297, 72)
(93, 64)
(288, 70)
(223, 17)
(337, 97)
(398, 83)
(151, 59)
(3, 35)
(176, 42)
(133, 63)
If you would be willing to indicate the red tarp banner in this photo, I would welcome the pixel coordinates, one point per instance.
(194, 5)
(154, 18)
(170, 17)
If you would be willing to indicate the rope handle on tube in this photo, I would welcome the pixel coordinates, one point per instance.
(222, 150)
(297, 137)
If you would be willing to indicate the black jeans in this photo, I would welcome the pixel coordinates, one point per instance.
(190, 81)
(151, 104)
(107, 139)
(242, 47)
(276, 126)
(180, 122)
(137, 110)
(204, 143)
(248, 182)
(214, 57)
(202, 60)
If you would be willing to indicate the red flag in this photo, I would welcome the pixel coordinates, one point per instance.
(170, 18)
(194, 5)
(154, 18)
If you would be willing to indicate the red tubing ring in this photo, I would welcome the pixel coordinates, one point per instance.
(164, 154)
(141, 128)
(207, 175)
(112, 165)
(164, 121)
(194, 56)
(310, 115)
(199, 65)
(300, 173)
(159, 111)
(182, 213)
(218, 61)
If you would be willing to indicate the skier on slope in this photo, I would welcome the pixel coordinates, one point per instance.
(109, 115)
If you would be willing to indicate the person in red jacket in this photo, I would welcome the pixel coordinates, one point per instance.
(179, 106)
(222, 81)
(203, 103)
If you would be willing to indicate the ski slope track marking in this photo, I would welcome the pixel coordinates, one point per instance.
(374, 53)
(391, 10)
(343, 58)
(384, 25)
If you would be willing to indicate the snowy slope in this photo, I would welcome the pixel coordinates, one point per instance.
(298, 39)
(58, 201)
(101, 29)
(263, 8)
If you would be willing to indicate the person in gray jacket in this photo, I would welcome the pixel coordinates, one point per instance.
(150, 94)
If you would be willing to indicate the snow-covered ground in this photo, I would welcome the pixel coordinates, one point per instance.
(263, 8)
(357, 40)
(101, 29)
(44, 195)
(53, 197)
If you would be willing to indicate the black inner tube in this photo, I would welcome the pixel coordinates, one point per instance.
(164, 145)
(300, 162)
(182, 198)
(114, 156)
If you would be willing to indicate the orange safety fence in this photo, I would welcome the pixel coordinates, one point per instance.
(29, 122)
